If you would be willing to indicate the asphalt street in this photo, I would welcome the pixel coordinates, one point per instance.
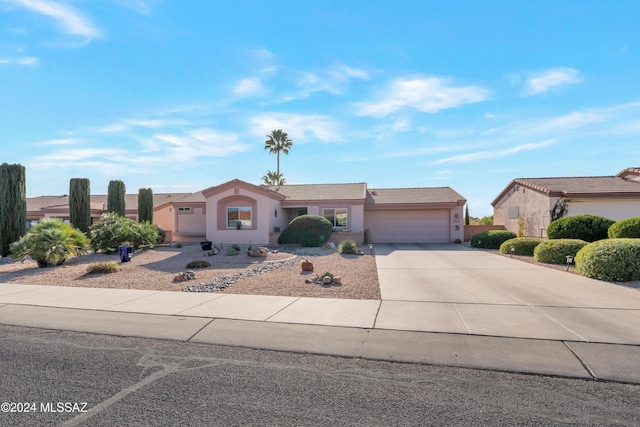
(68, 378)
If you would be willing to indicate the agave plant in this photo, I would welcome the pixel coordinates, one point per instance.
(50, 243)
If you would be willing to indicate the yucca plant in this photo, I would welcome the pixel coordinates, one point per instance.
(50, 243)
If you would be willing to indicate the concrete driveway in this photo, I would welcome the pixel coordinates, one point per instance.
(456, 289)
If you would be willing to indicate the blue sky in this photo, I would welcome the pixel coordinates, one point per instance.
(180, 95)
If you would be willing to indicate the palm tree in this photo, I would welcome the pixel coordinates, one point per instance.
(273, 178)
(278, 141)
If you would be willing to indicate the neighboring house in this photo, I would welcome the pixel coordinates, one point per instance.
(244, 213)
(530, 202)
(42, 207)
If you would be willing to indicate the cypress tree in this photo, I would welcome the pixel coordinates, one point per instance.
(466, 216)
(115, 197)
(145, 205)
(80, 204)
(13, 205)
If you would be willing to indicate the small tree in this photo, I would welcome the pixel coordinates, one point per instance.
(145, 205)
(115, 197)
(80, 204)
(13, 205)
(273, 178)
(467, 219)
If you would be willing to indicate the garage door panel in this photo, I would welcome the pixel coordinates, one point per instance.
(411, 226)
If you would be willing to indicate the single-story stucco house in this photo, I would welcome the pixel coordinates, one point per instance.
(237, 212)
(533, 201)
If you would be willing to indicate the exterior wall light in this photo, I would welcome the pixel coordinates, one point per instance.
(371, 247)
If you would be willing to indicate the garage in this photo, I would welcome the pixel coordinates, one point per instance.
(408, 226)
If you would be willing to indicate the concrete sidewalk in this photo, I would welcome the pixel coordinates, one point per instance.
(444, 305)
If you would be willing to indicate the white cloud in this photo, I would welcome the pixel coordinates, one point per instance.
(70, 19)
(27, 61)
(126, 124)
(429, 95)
(62, 141)
(203, 142)
(479, 155)
(141, 6)
(545, 80)
(298, 126)
(249, 86)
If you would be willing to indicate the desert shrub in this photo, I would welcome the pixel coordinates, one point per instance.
(347, 247)
(523, 245)
(50, 243)
(556, 251)
(491, 239)
(232, 252)
(199, 263)
(616, 260)
(624, 228)
(307, 230)
(584, 227)
(162, 236)
(103, 268)
(236, 247)
(113, 230)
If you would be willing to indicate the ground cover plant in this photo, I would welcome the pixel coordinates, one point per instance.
(556, 251)
(491, 239)
(522, 245)
(199, 263)
(584, 227)
(615, 260)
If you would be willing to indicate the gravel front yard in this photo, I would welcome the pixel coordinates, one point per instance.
(154, 269)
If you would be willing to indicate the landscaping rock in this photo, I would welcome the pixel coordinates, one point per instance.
(212, 252)
(259, 252)
(184, 276)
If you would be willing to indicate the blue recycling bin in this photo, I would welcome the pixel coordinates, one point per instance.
(125, 253)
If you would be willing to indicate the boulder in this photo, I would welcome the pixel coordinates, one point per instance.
(259, 252)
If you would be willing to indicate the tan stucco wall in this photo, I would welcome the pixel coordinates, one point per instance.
(610, 208)
(263, 218)
(533, 206)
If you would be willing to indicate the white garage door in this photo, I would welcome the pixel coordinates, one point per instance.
(410, 226)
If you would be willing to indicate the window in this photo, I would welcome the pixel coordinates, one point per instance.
(184, 209)
(336, 216)
(240, 214)
(514, 212)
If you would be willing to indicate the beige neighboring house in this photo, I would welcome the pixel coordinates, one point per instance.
(531, 201)
(237, 212)
(42, 207)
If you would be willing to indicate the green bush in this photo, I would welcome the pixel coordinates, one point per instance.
(232, 252)
(584, 227)
(236, 247)
(615, 260)
(50, 243)
(347, 247)
(523, 245)
(491, 239)
(556, 251)
(103, 268)
(307, 230)
(113, 230)
(624, 228)
(199, 263)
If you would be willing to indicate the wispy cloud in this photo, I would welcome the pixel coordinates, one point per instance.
(250, 86)
(29, 61)
(498, 152)
(126, 124)
(61, 141)
(544, 81)
(426, 94)
(141, 6)
(69, 18)
(299, 126)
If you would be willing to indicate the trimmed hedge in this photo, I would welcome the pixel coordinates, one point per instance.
(523, 245)
(491, 239)
(584, 227)
(625, 228)
(556, 251)
(307, 230)
(615, 260)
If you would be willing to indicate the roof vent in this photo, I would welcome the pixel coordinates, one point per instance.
(373, 193)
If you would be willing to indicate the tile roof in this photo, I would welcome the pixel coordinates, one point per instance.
(98, 201)
(413, 195)
(353, 191)
(581, 185)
